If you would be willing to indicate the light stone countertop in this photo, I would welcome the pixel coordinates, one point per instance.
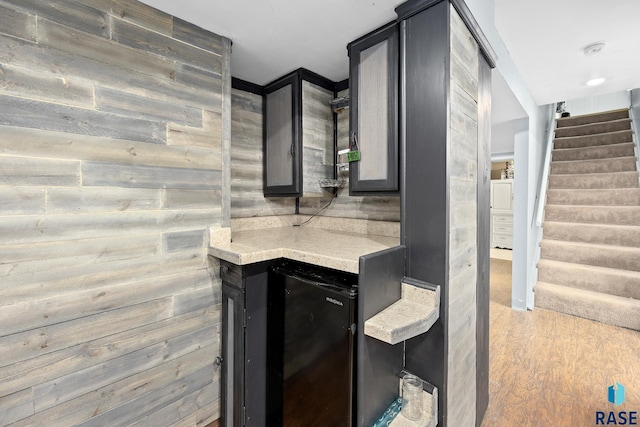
(339, 250)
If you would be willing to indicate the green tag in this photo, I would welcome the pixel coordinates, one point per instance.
(353, 156)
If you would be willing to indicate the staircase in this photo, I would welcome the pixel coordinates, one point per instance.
(590, 252)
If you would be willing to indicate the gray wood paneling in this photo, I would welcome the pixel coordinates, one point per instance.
(92, 68)
(196, 36)
(279, 137)
(317, 138)
(166, 47)
(28, 113)
(24, 82)
(138, 13)
(463, 216)
(181, 240)
(42, 228)
(51, 34)
(101, 199)
(90, 404)
(68, 12)
(120, 102)
(17, 24)
(110, 309)
(22, 200)
(29, 171)
(61, 145)
(247, 197)
(114, 175)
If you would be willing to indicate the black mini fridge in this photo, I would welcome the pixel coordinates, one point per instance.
(311, 346)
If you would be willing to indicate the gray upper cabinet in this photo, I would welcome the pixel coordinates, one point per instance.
(299, 135)
(282, 143)
(374, 112)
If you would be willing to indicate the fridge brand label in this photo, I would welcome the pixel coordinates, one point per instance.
(334, 301)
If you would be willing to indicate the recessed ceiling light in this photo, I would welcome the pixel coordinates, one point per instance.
(593, 48)
(596, 82)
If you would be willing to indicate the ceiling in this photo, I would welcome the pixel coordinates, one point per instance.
(544, 37)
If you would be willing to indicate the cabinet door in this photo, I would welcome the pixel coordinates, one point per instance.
(282, 152)
(374, 111)
(502, 195)
(232, 404)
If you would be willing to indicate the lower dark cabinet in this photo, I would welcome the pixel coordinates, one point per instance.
(244, 344)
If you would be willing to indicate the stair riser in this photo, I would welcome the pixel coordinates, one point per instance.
(612, 284)
(594, 128)
(602, 180)
(593, 118)
(592, 153)
(594, 140)
(595, 197)
(623, 314)
(624, 164)
(620, 215)
(590, 233)
(602, 257)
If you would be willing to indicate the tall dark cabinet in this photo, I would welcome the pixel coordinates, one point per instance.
(373, 77)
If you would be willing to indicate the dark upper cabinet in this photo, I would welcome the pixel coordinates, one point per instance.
(373, 74)
(299, 135)
(282, 141)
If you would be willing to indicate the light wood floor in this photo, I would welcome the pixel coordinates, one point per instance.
(550, 369)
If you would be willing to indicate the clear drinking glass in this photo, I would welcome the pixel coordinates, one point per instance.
(411, 397)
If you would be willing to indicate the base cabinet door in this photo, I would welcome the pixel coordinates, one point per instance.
(233, 337)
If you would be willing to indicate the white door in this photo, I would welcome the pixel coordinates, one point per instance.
(502, 195)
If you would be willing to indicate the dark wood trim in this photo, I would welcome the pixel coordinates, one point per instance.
(246, 86)
(409, 8)
(378, 364)
(374, 36)
(470, 21)
(425, 133)
(412, 7)
(342, 85)
(316, 79)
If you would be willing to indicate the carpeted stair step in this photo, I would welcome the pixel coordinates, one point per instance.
(602, 234)
(622, 283)
(620, 257)
(595, 180)
(574, 167)
(610, 309)
(593, 118)
(617, 215)
(594, 197)
(619, 137)
(597, 152)
(594, 128)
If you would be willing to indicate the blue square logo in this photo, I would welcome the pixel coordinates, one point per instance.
(616, 394)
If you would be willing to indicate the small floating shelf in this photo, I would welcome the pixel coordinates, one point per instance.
(413, 314)
(429, 410)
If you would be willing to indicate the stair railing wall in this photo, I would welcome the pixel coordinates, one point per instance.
(634, 114)
(544, 181)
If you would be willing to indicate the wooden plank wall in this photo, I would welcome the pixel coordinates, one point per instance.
(463, 226)
(247, 199)
(380, 208)
(111, 175)
(317, 138)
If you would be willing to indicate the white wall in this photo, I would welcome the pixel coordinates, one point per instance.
(503, 136)
(528, 153)
(596, 104)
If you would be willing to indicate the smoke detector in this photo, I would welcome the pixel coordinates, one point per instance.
(593, 48)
